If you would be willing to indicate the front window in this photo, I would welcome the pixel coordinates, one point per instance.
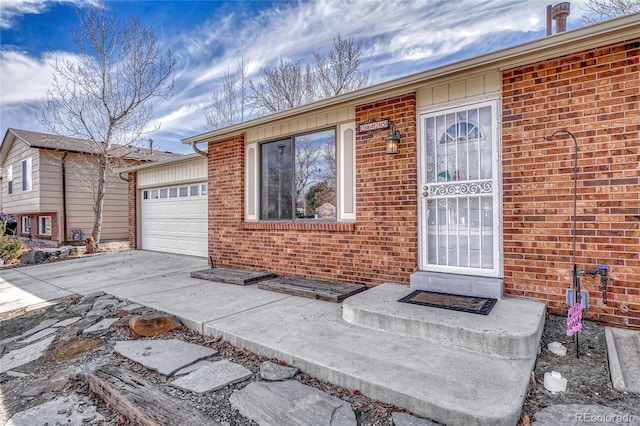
(26, 224)
(26, 175)
(10, 180)
(44, 225)
(298, 177)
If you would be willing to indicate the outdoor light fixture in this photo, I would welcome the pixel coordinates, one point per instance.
(392, 140)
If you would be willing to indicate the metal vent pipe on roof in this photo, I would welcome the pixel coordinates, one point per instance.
(558, 13)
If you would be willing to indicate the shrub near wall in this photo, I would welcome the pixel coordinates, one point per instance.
(595, 95)
(380, 246)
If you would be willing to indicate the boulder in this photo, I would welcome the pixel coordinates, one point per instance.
(153, 324)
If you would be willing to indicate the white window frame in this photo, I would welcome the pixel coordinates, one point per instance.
(345, 179)
(26, 225)
(27, 174)
(42, 225)
(10, 180)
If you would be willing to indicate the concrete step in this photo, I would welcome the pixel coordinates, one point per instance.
(450, 385)
(511, 330)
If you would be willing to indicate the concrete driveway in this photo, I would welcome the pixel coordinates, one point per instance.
(125, 274)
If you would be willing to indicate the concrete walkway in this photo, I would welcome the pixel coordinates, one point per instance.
(449, 384)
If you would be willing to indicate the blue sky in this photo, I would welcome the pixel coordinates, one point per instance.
(398, 38)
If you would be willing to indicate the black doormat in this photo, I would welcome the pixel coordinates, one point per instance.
(454, 302)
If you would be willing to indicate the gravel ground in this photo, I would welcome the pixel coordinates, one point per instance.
(72, 351)
(588, 376)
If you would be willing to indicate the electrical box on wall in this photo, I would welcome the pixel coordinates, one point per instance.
(584, 298)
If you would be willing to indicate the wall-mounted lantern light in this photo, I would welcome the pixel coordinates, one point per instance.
(392, 140)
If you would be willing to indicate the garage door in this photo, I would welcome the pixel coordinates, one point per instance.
(174, 219)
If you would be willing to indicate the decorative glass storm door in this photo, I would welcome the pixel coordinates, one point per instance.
(459, 211)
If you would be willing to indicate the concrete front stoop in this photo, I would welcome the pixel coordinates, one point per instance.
(453, 385)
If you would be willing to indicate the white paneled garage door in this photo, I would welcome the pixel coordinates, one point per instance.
(174, 219)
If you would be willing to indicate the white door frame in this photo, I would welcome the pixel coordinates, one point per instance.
(423, 189)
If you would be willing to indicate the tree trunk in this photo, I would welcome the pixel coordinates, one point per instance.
(99, 201)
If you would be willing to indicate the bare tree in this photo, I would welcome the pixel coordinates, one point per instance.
(600, 10)
(105, 96)
(340, 71)
(282, 87)
(230, 103)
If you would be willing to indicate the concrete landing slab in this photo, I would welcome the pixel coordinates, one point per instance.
(213, 376)
(511, 330)
(25, 355)
(446, 384)
(203, 301)
(623, 347)
(164, 356)
(232, 276)
(572, 414)
(291, 403)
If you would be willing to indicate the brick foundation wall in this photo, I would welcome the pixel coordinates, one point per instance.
(133, 209)
(382, 244)
(596, 96)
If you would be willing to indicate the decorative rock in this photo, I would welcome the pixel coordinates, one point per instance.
(557, 348)
(153, 324)
(33, 257)
(71, 410)
(39, 335)
(24, 355)
(164, 356)
(191, 368)
(53, 382)
(291, 403)
(405, 419)
(100, 326)
(274, 372)
(91, 297)
(80, 309)
(213, 376)
(16, 374)
(572, 414)
(67, 322)
(104, 303)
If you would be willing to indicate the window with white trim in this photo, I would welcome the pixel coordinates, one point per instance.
(10, 180)
(27, 180)
(44, 225)
(26, 224)
(305, 177)
(298, 177)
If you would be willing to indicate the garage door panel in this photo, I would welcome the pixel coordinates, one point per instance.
(175, 225)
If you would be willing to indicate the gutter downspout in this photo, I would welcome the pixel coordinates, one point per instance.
(197, 150)
(64, 198)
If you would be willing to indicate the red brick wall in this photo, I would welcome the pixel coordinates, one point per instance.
(595, 95)
(133, 210)
(381, 246)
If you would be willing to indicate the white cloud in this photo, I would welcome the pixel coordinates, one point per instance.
(11, 9)
(27, 79)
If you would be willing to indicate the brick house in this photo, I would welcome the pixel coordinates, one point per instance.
(475, 201)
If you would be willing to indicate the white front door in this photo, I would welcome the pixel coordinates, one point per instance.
(459, 207)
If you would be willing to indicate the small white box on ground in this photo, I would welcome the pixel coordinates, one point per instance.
(554, 382)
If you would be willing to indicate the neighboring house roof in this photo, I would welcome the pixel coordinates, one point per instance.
(611, 31)
(81, 146)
